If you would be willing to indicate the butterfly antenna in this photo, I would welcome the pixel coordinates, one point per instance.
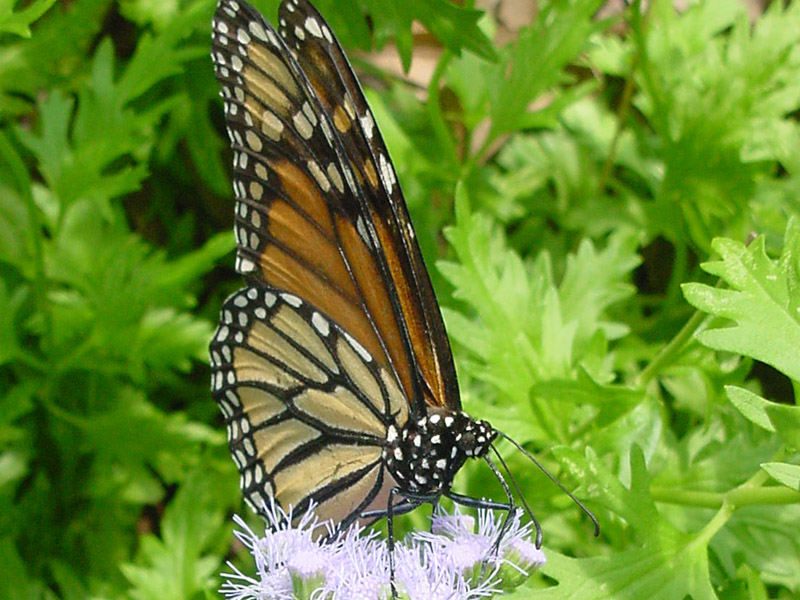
(551, 477)
(519, 493)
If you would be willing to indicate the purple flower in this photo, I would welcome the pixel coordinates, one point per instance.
(452, 562)
(359, 568)
(425, 572)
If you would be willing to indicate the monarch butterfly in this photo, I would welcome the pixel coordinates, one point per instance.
(332, 367)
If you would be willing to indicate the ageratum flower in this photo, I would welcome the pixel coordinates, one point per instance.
(452, 562)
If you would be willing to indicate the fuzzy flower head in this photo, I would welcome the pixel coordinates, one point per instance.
(499, 548)
(455, 561)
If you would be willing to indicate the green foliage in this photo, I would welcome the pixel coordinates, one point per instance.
(19, 22)
(584, 197)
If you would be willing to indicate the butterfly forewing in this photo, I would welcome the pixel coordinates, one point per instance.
(327, 69)
(306, 407)
(319, 212)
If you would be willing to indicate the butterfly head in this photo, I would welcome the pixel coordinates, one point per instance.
(424, 456)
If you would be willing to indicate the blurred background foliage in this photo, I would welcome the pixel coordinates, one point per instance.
(608, 203)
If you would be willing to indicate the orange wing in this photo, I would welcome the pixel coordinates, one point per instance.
(319, 212)
(330, 74)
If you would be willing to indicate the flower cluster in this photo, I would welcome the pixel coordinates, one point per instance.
(451, 562)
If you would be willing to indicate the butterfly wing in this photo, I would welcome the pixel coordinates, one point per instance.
(319, 212)
(329, 72)
(306, 406)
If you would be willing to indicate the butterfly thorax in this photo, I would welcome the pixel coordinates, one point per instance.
(426, 453)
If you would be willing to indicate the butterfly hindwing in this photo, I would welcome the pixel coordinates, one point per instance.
(306, 406)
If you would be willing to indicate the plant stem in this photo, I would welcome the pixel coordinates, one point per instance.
(623, 109)
(715, 524)
(440, 128)
(737, 497)
(669, 352)
(40, 285)
(749, 493)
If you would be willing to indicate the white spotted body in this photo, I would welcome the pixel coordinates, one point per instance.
(424, 456)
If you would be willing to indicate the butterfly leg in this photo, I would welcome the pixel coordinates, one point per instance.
(401, 508)
(409, 503)
(434, 505)
(509, 508)
(390, 527)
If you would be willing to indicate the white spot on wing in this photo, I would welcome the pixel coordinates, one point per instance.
(367, 124)
(351, 183)
(349, 108)
(320, 177)
(320, 324)
(387, 173)
(335, 177)
(291, 299)
(245, 265)
(312, 118)
(358, 348)
(257, 30)
(327, 131)
(362, 231)
(302, 125)
(313, 27)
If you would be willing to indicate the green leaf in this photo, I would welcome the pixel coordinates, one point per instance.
(19, 22)
(666, 565)
(673, 570)
(15, 209)
(16, 583)
(612, 401)
(159, 57)
(453, 25)
(785, 473)
(764, 538)
(10, 305)
(15, 403)
(521, 328)
(58, 50)
(762, 302)
(712, 134)
(456, 27)
(786, 421)
(134, 433)
(751, 405)
(538, 57)
(178, 565)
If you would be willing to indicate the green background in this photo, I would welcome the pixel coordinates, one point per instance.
(609, 210)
